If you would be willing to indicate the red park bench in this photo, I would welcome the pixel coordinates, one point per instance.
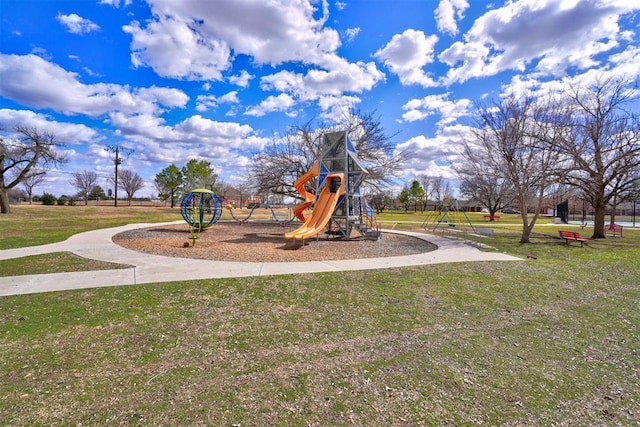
(613, 230)
(573, 236)
(492, 217)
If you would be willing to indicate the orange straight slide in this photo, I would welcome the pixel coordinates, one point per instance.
(323, 210)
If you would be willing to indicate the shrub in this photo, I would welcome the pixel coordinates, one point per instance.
(62, 201)
(48, 199)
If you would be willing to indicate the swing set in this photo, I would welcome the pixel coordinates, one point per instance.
(274, 216)
(448, 215)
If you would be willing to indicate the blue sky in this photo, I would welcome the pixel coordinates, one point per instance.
(217, 80)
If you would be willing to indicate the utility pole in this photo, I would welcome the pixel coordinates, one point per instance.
(117, 150)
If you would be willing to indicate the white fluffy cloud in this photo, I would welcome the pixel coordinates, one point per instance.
(116, 3)
(34, 82)
(557, 34)
(407, 54)
(66, 133)
(174, 48)
(433, 156)
(193, 130)
(448, 110)
(133, 114)
(446, 14)
(205, 36)
(197, 40)
(282, 102)
(205, 102)
(315, 85)
(76, 24)
(270, 32)
(241, 79)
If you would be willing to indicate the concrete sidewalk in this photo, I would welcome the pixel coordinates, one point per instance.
(146, 268)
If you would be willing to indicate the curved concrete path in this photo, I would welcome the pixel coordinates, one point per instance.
(146, 268)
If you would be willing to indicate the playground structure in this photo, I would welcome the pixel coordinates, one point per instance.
(274, 216)
(448, 215)
(200, 208)
(339, 207)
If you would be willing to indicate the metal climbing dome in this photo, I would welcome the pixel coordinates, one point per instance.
(201, 208)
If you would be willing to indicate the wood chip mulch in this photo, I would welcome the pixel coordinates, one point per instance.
(262, 242)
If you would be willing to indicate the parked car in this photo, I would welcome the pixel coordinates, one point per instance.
(510, 211)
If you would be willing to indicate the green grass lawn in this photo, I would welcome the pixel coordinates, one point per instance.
(31, 225)
(552, 340)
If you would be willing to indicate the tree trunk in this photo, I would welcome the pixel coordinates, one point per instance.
(527, 228)
(5, 208)
(525, 237)
(598, 220)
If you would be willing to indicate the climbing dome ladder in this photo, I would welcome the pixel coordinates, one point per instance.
(200, 208)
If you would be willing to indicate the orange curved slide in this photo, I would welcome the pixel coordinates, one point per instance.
(309, 198)
(323, 210)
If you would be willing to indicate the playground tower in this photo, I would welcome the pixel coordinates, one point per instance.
(351, 214)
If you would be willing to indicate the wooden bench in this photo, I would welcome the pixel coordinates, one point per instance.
(613, 230)
(573, 236)
(492, 217)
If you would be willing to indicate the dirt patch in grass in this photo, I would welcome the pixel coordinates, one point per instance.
(262, 242)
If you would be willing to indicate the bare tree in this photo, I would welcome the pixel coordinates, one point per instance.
(492, 191)
(30, 182)
(376, 149)
(427, 184)
(381, 200)
(84, 182)
(441, 188)
(244, 189)
(130, 182)
(118, 152)
(282, 162)
(602, 142)
(26, 153)
(512, 141)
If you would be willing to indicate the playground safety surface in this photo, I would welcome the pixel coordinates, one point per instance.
(263, 242)
(153, 268)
